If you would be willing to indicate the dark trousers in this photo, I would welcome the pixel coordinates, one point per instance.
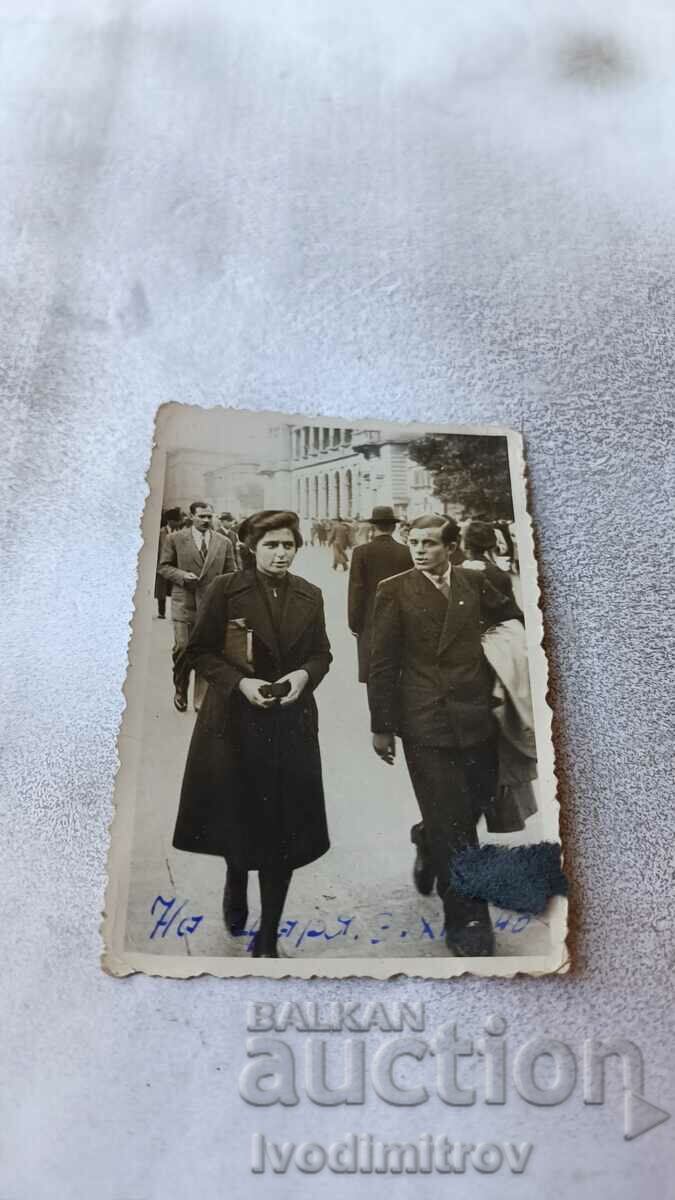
(453, 788)
(162, 590)
(181, 637)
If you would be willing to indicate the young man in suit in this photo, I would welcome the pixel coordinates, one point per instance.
(190, 560)
(430, 684)
(371, 563)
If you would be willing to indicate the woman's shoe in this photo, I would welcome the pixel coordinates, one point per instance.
(235, 910)
(264, 947)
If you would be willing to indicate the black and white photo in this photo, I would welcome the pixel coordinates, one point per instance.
(336, 695)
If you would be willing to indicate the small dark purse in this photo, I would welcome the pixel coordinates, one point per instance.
(275, 690)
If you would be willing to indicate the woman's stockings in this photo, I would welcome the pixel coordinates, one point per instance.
(273, 891)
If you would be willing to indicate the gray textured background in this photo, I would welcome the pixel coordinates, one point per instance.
(450, 212)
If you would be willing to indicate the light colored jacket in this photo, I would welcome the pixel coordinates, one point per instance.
(179, 556)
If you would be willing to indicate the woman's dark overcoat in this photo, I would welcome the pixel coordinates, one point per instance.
(252, 789)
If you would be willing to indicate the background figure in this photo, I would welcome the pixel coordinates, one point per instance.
(228, 527)
(191, 559)
(510, 528)
(339, 538)
(362, 532)
(503, 554)
(170, 523)
(480, 542)
(505, 648)
(252, 790)
(371, 563)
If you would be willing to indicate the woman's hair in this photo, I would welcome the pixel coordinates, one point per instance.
(480, 537)
(267, 521)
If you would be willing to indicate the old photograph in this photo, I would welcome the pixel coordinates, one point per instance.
(336, 753)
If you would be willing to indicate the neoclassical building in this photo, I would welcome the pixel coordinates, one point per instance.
(227, 481)
(331, 471)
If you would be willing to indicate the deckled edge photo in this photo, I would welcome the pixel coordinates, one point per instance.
(173, 428)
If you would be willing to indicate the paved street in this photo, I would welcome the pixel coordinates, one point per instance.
(358, 900)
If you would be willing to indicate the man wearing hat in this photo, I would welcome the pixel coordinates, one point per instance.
(371, 563)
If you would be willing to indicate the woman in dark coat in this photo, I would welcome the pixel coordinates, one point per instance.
(252, 790)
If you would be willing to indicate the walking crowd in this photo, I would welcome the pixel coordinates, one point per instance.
(440, 647)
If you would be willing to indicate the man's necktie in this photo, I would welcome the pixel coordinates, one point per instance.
(203, 549)
(444, 588)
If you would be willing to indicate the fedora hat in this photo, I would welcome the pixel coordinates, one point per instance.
(383, 512)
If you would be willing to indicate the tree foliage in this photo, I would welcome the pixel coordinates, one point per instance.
(469, 471)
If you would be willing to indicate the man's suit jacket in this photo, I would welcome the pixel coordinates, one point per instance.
(429, 680)
(371, 563)
(180, 555)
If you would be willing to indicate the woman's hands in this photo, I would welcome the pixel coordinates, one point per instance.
(250, 688)
(298, 681)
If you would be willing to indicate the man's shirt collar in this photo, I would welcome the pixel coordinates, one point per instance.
(437, 580)
(197, 536)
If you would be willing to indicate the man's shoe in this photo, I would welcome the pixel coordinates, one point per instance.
(180, 701)
(235, 911)
(475, 940)
(424, 876)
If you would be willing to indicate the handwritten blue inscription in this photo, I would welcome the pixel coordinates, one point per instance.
(383, 928)
(168, 916)
(422, 929)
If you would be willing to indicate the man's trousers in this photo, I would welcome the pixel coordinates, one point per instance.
(181, 637)
(452, 787)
